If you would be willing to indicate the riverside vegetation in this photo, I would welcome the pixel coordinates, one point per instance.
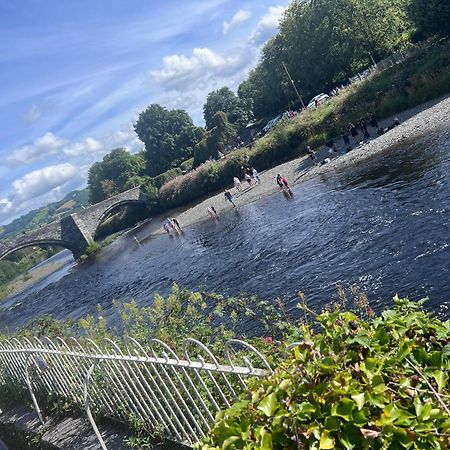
(352, 380)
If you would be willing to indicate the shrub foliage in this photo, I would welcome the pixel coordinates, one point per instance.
(351, 383)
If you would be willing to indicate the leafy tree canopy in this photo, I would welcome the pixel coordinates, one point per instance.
(110, 176)
(431, 16)
(323, 43)
(169, 137)
(217, 140)
(239, 111)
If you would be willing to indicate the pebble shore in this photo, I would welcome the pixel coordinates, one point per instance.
(419, 123)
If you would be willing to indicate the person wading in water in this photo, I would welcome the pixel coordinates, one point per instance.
(229, 197)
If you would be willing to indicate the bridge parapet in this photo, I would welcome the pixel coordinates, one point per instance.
(75, 231)
(50, 233)
(89, 219)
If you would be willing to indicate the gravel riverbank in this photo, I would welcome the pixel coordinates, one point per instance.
(416, 124)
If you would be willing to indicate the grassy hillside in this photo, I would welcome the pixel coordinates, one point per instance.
(42, 216)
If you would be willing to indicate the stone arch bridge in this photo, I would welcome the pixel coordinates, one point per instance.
(73, 232)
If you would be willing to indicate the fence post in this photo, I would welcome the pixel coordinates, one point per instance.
(30, 388)
(87, 407)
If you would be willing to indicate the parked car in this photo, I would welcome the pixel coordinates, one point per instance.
(320, 98)
(271, 123)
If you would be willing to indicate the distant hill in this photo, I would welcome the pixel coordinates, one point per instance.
(42, 216)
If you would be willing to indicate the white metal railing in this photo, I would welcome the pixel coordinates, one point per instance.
(178, 395)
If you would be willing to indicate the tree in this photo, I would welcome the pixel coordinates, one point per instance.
(323, 42)
(430, 16)
(267, 87)
(169, 137)
(239, 111)
(110, 176)
(218, 139)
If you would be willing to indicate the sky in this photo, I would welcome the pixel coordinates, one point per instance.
(75, 74)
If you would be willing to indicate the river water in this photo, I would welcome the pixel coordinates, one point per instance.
(383, 226)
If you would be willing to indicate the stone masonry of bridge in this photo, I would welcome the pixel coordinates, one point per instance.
(73, 232)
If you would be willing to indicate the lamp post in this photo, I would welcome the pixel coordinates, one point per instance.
(293, 85)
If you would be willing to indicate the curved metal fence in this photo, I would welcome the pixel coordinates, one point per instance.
(177, 396)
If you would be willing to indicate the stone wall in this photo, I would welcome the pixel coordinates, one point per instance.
(73, 232)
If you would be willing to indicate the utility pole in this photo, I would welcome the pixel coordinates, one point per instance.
(293, 85)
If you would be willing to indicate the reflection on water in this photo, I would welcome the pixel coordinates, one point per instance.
(383, 226)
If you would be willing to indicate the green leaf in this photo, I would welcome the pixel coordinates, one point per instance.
(266, 442)
(332, 423)
(359, 400)
(326, 442)
(343, 408)
(268, 404)
(405, 350)
(304, 410)
(228, 441)
(284, 384)
(446, 351)
(359, 418)
(378, 385)
(441, 379)
(362, 338)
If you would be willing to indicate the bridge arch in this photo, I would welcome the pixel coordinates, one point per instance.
(38, 243)
(108, 211)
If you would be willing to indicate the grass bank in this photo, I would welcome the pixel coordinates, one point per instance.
(422, 77)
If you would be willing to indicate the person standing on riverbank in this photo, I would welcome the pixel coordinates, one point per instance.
(279, 182)
(312, 154)
(346, 139)
(248, 179)
(212, 212)
(229, 197)
(373, 122)
(331, 146)
(237, 183)
(255, 175)
(353, 131)
(363, 125)
(282, 182)
(167, 228)
(177, 225)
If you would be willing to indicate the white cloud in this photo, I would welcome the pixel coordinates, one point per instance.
(40, 187)
(32, 115)
(183, 73)
(46, 145)
(85, 151)
(124, 137)
(89, 146)
(40, 181)
(240, 17)
(267, 25)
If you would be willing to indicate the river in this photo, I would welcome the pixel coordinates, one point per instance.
(383, 226)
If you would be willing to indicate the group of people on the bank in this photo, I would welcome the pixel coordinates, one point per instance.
(359, 133)
(251, 177)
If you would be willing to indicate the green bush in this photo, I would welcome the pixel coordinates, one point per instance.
(350, 383)
(187, 165)
(93, 247)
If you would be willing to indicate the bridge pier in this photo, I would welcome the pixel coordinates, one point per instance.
(71, 232)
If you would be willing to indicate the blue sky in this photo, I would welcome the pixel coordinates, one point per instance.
(75, 74)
